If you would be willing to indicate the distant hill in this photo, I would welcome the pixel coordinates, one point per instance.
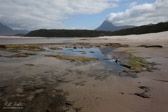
(5, 30)
(152, 28)
(67, 33)
(108, 26)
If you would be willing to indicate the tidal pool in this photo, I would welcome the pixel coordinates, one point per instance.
(101, 53)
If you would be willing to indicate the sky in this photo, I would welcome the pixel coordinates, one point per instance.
(80, 14)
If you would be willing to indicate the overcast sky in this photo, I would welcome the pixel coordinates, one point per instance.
(87, 14)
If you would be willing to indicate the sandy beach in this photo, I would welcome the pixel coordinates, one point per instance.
(156, 80)
(46, 82)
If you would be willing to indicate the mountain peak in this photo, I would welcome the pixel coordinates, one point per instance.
(5, 30)
(109, 26)
(106, 22)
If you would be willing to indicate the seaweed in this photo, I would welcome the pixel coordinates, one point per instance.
(115, 45)
(138, 64)
(29, 64)
(13, 50)
(134, 63)
(20, 55)
(73, 58)
(55, 48)
(17, 47)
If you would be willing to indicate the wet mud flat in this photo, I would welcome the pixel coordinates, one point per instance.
(49, 77)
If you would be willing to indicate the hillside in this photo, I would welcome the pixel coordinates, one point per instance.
(108, 26)
(67, 33)
(5, 30)
(154, 28)
(92, 33)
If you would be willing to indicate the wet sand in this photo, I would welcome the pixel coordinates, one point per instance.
(32, 40)
(39, 83)
(47, 84)
(156, 80)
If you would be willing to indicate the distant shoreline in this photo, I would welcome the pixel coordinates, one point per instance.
(18, 37)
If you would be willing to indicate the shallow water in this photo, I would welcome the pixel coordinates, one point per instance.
(101, 53)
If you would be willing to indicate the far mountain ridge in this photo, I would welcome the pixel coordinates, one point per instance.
(108, 26)
(7, 31)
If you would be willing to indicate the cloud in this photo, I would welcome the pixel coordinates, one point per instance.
(132, 4)
(142, 14)
(35, 14)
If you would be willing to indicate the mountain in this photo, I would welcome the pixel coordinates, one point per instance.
(160, 27)
(5, 30)
(108, 26)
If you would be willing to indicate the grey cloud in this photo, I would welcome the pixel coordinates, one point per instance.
(142, 14)
(35, 14)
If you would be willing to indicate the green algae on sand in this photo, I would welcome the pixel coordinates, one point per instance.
(32, 49)
(29, 64)
(73, 58)
(17, 47)
(20, 55)
(55, 48)
(13, 50)
(139, 64)
(20, 45)
(134, 63)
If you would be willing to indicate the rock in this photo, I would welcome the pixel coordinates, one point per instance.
(149, 46)
(145, 88)
(2, 46)
(125, 65)
(122, 93)
(161, 80)
(149, 70)
(74, 47)
(68, 104)
(19, 90)
(31, 97)
(47, 110)
(77, 109)
(143, 95)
